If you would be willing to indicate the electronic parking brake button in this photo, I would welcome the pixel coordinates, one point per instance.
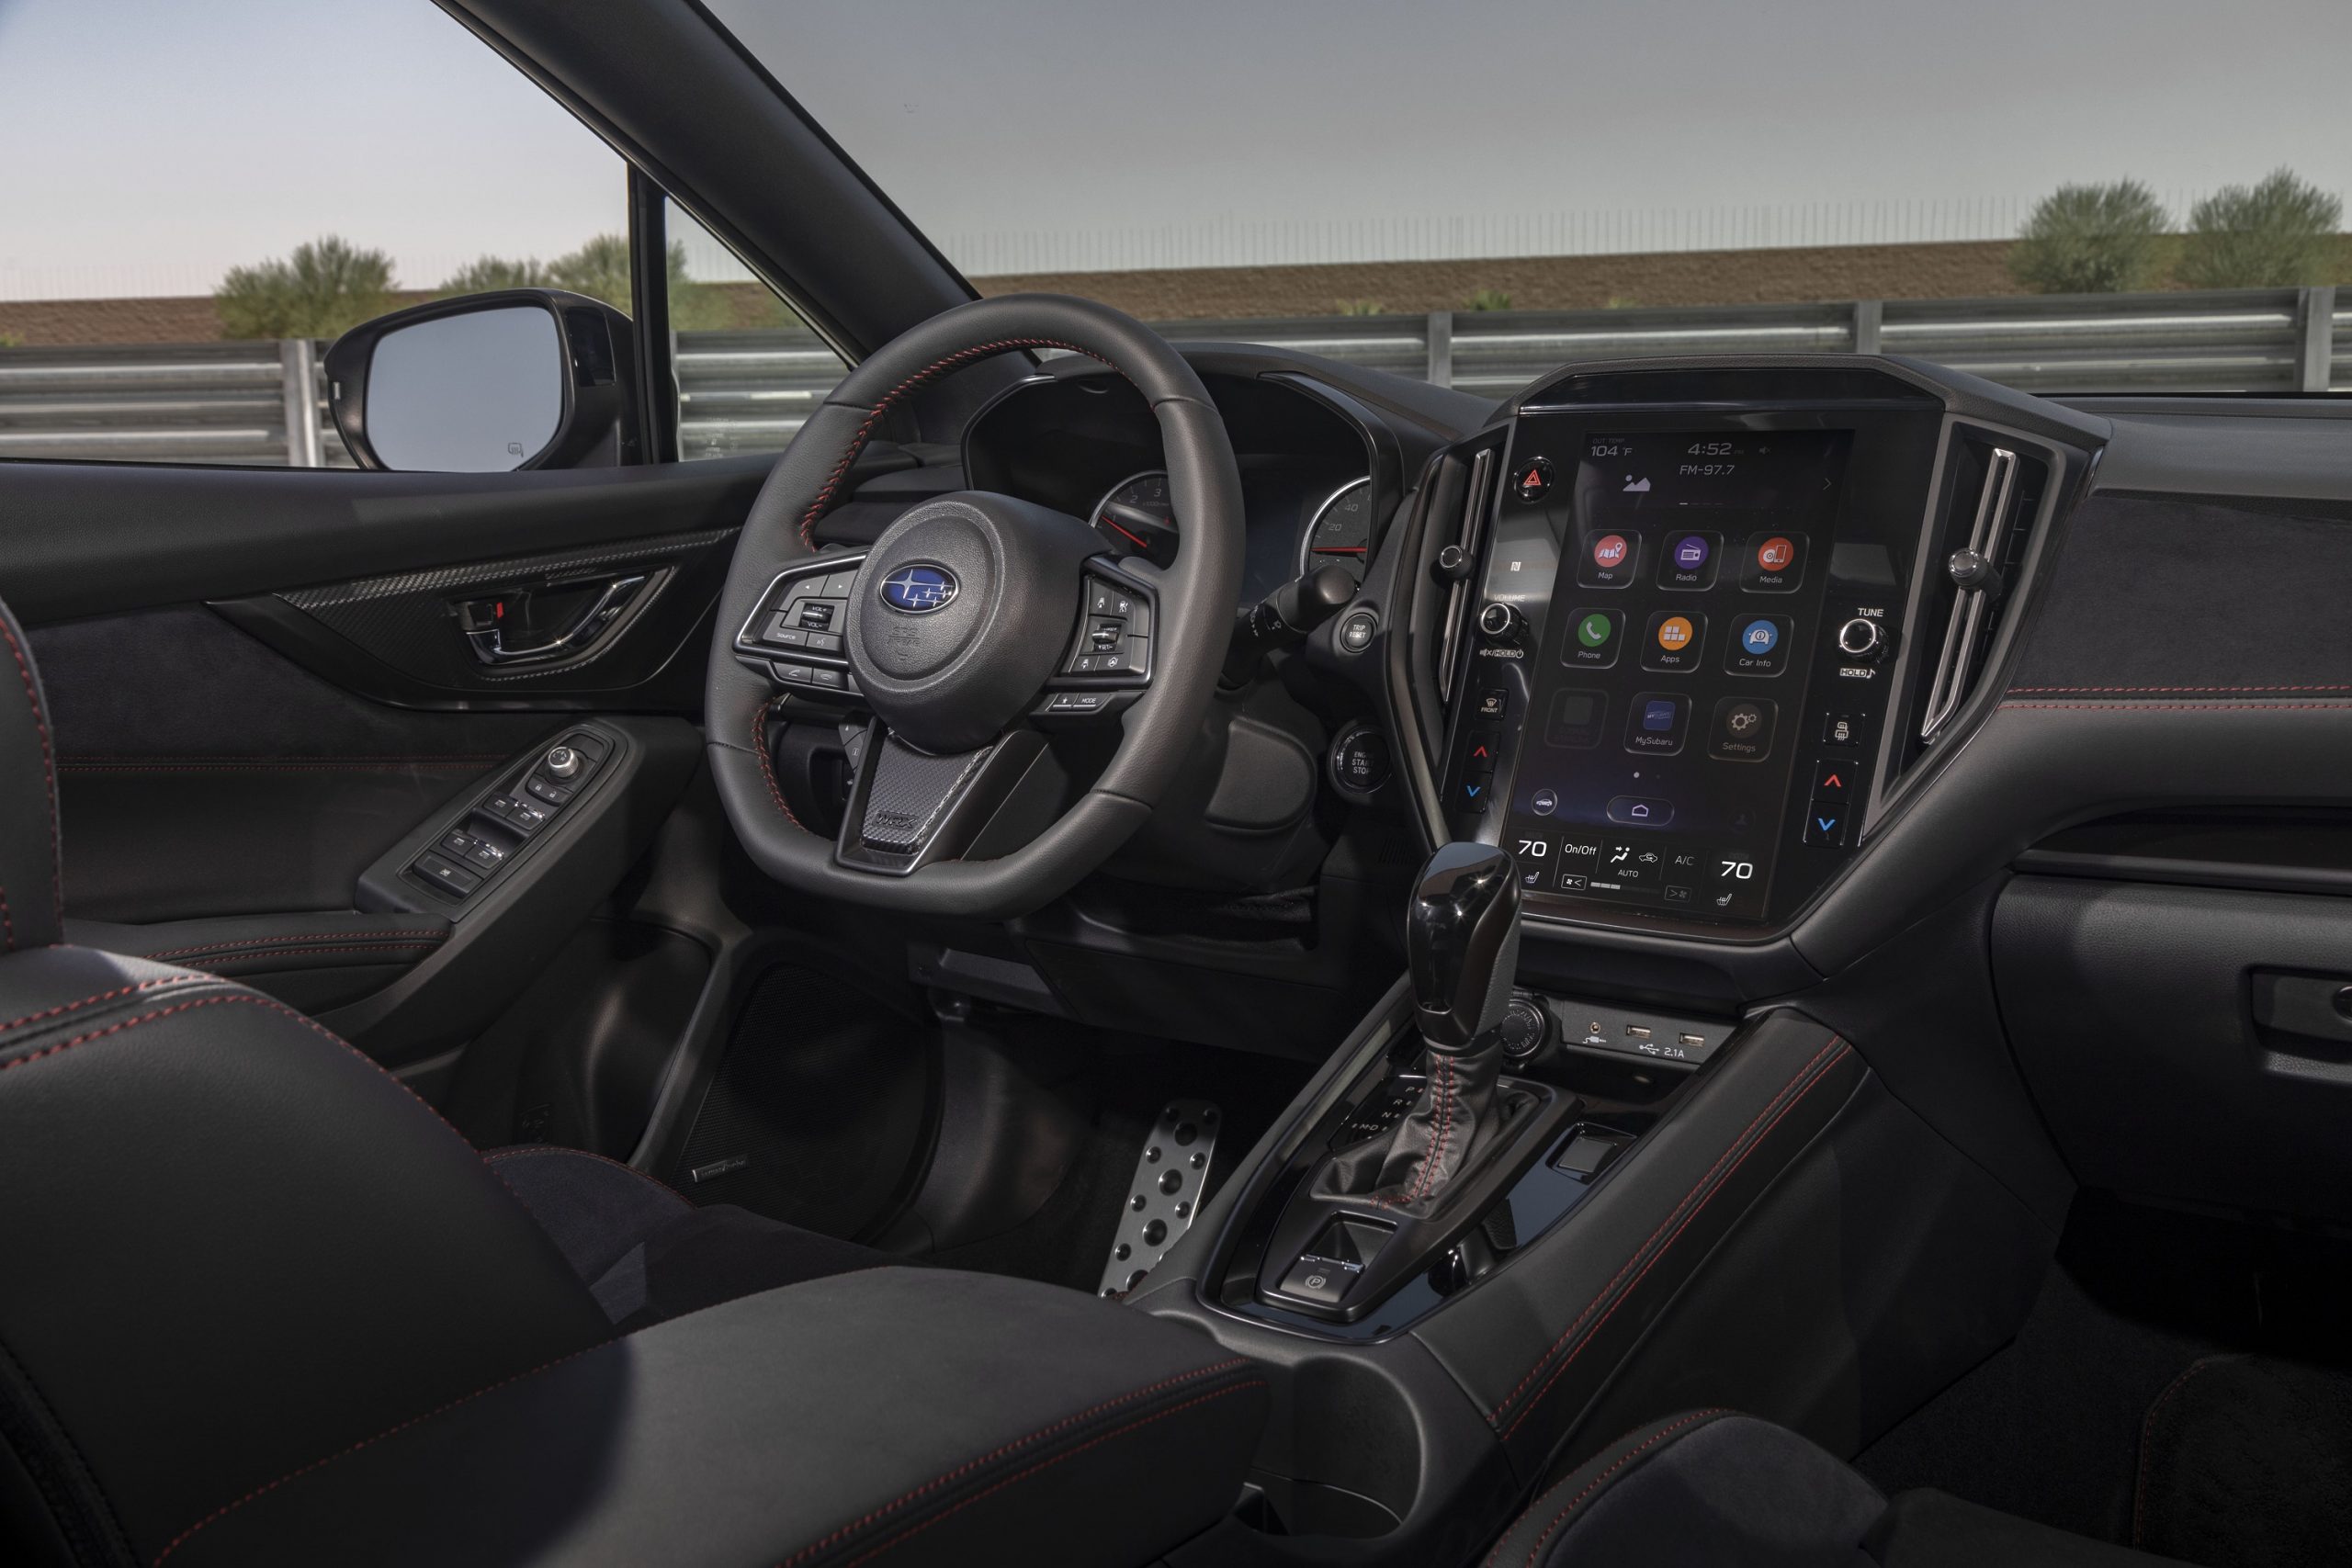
(1318, 1279)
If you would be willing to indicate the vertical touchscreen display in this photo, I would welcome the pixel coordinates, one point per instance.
(1669, 683)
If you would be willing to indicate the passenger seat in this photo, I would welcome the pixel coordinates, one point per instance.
(1713, 1489)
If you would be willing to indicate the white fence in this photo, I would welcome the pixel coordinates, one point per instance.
(264, 402)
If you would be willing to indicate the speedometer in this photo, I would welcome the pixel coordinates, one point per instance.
(1340, 531)
(1135, 517)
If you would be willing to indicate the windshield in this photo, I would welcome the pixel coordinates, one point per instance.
(2102, 195)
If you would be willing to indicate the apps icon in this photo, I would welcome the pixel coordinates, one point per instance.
(1688, 561)
(1774, 563)
(1759, 645)
(1594, 638)
(1673, 640)
(1610, 558)
(1657, 724)
(1743, 729)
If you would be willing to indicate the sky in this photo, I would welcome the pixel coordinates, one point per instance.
(163, 140)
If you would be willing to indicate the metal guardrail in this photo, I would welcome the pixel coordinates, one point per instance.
(264, 402)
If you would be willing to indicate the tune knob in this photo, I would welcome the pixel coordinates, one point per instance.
(1500, 621)
(1861, 638)
(563, 763)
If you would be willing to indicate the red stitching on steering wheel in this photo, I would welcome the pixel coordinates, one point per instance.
(865, 432)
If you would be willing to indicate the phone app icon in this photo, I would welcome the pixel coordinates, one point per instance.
(1594, 637)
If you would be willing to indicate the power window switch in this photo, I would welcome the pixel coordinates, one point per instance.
(479, 853)
(446, 874)
(1318, 1280)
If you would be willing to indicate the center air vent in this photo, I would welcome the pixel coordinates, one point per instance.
(1467, 539)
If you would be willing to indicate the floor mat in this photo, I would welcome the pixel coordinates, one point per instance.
(2246, 1461)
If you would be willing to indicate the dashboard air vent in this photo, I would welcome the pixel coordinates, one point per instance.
(1468, 537)
(1989, 511)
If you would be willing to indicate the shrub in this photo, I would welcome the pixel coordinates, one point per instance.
(322, 290)
(10, 340)
(1489, 300)
(2272, 235)
(1360, 308)
(2090, 240)
(488, 274)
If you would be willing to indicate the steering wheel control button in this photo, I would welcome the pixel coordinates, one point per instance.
(1862, 639)
(1609, 560)
(1657, 724)
(1743, 729)
(1640, 810)
(1825, 822)
(1772, 563)
(1594, 638)
(1759, 645)
(1360, 762)
(1532, 480)
(1357, 631)
(1687, 565)
(1674, 641)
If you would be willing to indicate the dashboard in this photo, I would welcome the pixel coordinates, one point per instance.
(1316, 484)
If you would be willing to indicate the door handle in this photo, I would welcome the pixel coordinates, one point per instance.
(487, 632)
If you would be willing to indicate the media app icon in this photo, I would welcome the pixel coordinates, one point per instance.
(1776, 553)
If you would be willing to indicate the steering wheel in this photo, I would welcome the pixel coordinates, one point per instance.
(975, 629)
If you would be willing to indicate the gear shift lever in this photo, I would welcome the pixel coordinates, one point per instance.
(1462, 943)
(1462, 939)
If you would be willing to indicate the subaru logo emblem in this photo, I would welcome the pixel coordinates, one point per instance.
(919, 589)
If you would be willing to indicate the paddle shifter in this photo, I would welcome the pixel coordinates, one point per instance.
(1462, 939)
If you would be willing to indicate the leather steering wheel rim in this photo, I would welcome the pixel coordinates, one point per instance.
(1196, 596)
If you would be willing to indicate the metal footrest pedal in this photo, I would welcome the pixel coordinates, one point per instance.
(1165, 1195)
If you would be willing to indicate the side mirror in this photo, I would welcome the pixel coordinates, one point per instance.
(487, 383)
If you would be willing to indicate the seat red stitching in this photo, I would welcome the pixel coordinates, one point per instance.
(1672, 1214)
(432, 938)
(1595, 1485)
(1627, 1294)
(950, 1477)
(7, 926)
(64, 1007)
(226, 1509)
(48, 769)
(210, 960)
(2028, 691)
(1042, 1465)
(2147, 1433)
(2185, 708)
(523, 1150)
(865, 430)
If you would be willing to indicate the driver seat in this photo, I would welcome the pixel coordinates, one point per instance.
(259, 1303)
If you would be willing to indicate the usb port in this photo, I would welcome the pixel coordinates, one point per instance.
(1692, 1039)
(1637, 1031)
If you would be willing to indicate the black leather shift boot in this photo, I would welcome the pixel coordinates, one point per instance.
(1459, 1117)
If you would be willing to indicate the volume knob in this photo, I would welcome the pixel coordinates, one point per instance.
(1500, 622)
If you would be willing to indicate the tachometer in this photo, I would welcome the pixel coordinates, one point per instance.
(1340, 531)
(1134, 518)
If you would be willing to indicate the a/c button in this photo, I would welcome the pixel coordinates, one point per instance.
(1639, 811)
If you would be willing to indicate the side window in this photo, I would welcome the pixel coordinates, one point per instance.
(174, 266)
(748, 370)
